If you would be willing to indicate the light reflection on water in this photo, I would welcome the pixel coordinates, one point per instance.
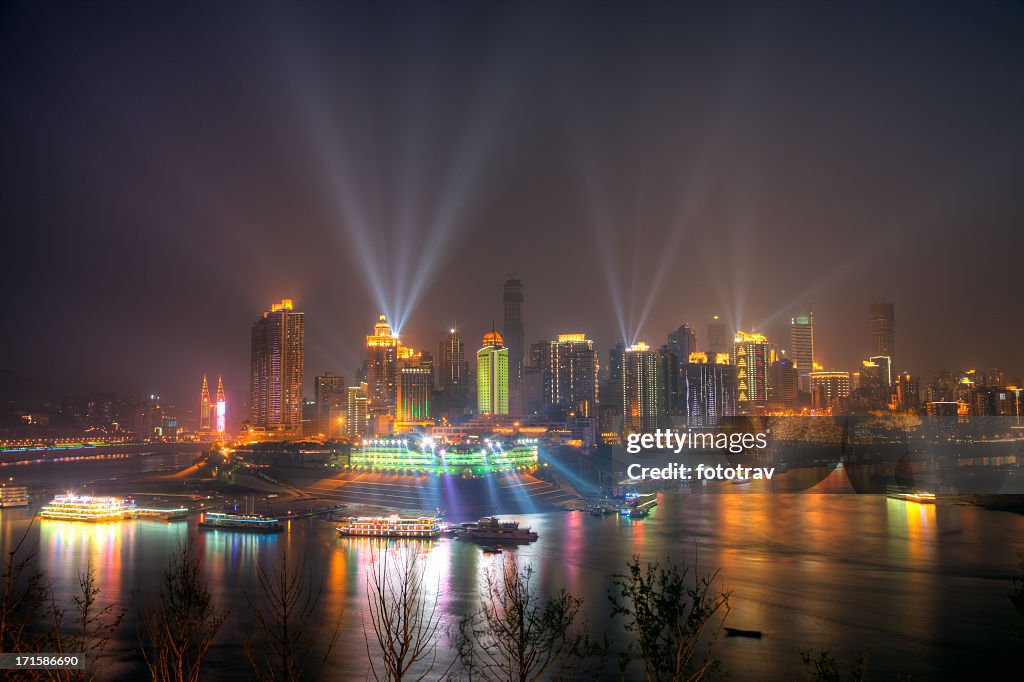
(917, 586)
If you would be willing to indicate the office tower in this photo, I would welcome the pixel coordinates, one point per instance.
(357, 412)
(718, 337)
(708, 389)
(381, 368)
(566, 371)
(331, 403)
(801, 347)
(670, 372)
(515, 336)
(643, 390)
(615, 358)
(996, 378)
(221, 409)
(883, 331)
(492, 375)
(908, 392)
(750, 355)
(204, 408)
(874, 384)
(782, 384)
(884, 363)
(452, 370)
(830, 390)
(536, 377)
(275, 403)
(415, 379)
(682, 342)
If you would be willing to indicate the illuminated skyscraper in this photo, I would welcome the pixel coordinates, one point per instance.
(709, 389)
(452, 370)
(492, 375)
(883, 331)
(357, 413)
(782, 384)
(801, 346)
(643, 390)
(670, 372)
(515, 335)
(568, 369)
(331, 403)
(750, 355)
(830, 390)
(204, 408)
(718, 337)
(415, 379)
(682, 342)
(382, 368)
(221, 409)
(884, 363)
(276, 371)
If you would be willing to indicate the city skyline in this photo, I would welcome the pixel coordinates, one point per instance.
(727, 175)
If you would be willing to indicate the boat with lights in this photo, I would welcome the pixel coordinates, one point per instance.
(492, 531)
(898, 492)
(394, 526)
(246, 523)
(72, 507)
(13, 496)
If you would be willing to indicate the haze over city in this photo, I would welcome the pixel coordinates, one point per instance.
(165, 179)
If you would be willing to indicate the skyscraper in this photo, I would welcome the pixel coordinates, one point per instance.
(750, 355)
(275, 403)
(682, 342)
(801, 346)
(883, 331)
(492, 375)
(204, 408)
(452, 371)
(415, 379)
(331, 403)
(568, 371)
(357, 412)
(643, 390)
(830, 390)
(515, 337)
(381, 368)
(672, 378)
(221, 408)
(718, 337)
(782, 384)
(709, 389)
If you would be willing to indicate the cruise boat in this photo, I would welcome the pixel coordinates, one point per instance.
(393, 526)
(13, 496)
(72, 507)
(493, 531)
(899, 492)
(246, 523)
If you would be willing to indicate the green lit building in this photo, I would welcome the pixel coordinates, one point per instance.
(422, 456)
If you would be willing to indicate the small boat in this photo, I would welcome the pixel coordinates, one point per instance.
(490, 530)
(736, 632)
(246, 523)
(394, 526)
(73, 507)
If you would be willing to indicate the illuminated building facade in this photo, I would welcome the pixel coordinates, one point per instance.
(275, 396)
(568, 371)
(830, 390)
(884, 364)
(221, 408)
(205, 409)
(331, 403)
(492, 375)
(415, 456)
(708, 388)
(801, 347)
(782, 384)
(357, 412)
(415, 381)
(382, 368)
(452, 370)
(515, 335)
(908, 392)
(643, 390)
(670, 372)
(751, 356)
(883, 330)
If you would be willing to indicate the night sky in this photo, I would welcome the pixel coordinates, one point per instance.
(167, 173)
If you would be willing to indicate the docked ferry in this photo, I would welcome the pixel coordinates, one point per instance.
(72, 507)
(493, 531)
(246, 523)
(899, 492)
(393, 526)
(13, 496)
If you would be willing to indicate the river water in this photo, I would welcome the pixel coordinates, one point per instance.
(921, 588)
